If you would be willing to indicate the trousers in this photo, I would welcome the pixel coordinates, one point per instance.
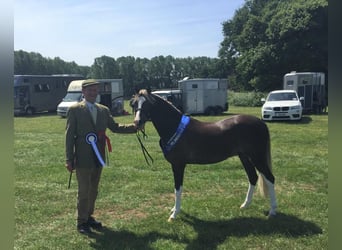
(88, 182)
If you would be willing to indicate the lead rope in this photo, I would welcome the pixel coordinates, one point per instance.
(143, 149)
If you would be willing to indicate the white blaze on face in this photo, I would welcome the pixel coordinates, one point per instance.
(137, 117)
(137, 114)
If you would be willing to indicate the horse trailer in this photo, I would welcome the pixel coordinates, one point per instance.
(204, 95)
(310, 85)
(39, 93)
(110, 95)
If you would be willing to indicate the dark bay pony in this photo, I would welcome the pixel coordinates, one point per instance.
(185, 140)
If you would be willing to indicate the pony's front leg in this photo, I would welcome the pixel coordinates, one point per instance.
(178, 174)
(176, 209)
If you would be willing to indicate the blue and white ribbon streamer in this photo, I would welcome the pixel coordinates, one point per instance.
(91, 139)
(176, 136)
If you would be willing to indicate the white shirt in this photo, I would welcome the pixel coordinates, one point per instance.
(93, 110)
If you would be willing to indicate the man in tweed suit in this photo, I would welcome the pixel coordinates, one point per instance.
(81, 154)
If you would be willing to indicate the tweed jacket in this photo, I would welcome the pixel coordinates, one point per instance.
(79, 124)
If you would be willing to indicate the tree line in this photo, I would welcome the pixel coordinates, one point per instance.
(264, 40)
(157, 72)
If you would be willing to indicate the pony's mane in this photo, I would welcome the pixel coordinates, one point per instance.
(152, 98)
(166, 101)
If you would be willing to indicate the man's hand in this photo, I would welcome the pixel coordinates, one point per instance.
(69, 166)
(138, 125)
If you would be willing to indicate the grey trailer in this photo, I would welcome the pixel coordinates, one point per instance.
(311, 86)
(204, 96)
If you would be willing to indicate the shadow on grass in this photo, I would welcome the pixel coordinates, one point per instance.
(111, 239)
(210, 234)
(213, 233)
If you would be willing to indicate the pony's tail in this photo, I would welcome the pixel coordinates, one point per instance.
(263, 187)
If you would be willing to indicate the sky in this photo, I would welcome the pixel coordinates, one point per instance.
(82, 30)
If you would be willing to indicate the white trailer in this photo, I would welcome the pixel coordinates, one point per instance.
(204, 95)
(110, 95)
(311, 86)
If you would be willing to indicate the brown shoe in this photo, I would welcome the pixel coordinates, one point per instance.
(94, 223)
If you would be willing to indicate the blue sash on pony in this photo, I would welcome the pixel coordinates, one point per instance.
(176, 136)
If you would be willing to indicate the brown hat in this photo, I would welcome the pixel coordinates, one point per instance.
(89, 82)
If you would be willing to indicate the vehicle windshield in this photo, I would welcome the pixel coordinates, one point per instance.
(163, 95)
(282, 97)
(72, 97)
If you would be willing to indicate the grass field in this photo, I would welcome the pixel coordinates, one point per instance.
(135, 199)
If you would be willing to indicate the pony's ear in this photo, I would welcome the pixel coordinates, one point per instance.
(143, 92)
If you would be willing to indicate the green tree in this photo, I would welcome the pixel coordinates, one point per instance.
(127, 72)
(104, 67)
(26, 63)
(268, 38)
(160, 69)
(22, 63)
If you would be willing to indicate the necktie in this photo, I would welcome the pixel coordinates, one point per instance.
(93, 112)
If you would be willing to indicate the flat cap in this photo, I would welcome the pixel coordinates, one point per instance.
(89, 82)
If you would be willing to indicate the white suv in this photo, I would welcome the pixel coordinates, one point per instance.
(282, 105)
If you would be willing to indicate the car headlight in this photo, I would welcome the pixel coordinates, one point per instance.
(295, 107)
(267, 108)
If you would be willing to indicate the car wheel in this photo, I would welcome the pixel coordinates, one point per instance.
(30, 111)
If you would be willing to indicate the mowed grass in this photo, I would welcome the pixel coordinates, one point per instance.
(135, 199)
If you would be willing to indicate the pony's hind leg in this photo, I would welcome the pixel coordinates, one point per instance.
(273, 200)
(266, 182)
(252, 177)
(271, 192)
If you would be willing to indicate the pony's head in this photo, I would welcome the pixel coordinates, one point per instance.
(141, 104)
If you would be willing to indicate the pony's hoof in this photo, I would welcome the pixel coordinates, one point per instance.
(270, 214)
(172, 217)
(244, 206)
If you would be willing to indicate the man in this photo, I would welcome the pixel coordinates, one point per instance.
(85, 142)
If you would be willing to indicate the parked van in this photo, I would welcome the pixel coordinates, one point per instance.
(110, 95)
(38, 93)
